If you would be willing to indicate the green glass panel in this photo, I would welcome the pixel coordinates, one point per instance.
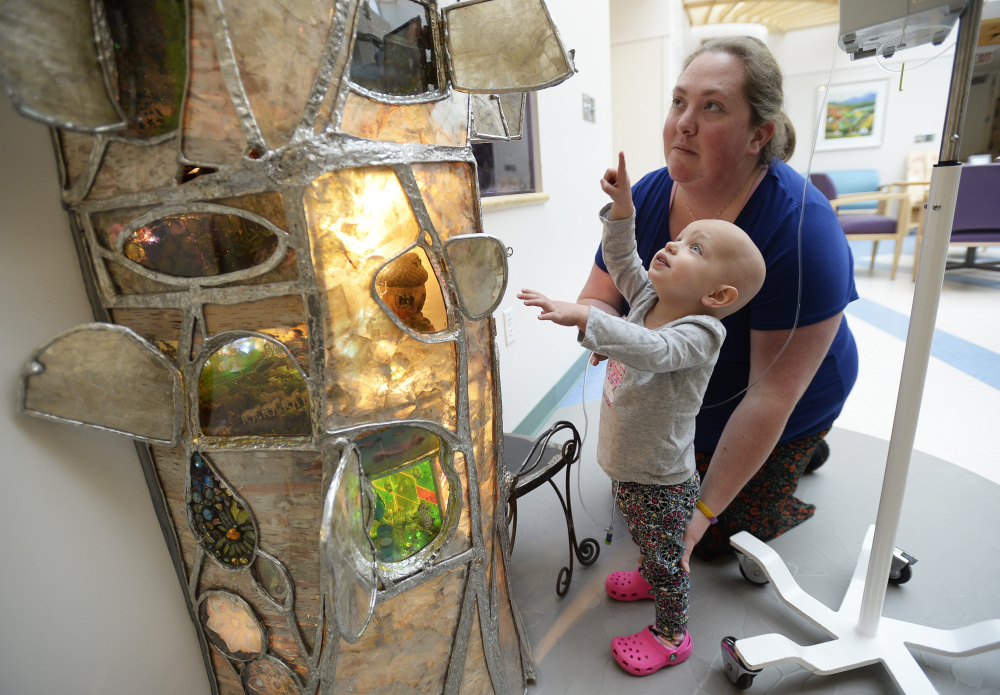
(404, 468)
(150, 39)
(394, 49)
(220, 520)
(251, 386)
(200, 244)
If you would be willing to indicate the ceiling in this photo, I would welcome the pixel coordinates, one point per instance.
(776, 15)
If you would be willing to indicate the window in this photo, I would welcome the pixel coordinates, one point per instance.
(507, 168)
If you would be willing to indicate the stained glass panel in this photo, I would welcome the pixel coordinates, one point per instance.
(412, 293)
(478, 266)
(449, 193)
(394, 49)
(150, 39)
(220, 520)
(251, 386)
(231, 626)
(271, 577)
(269, 676)
(442, 122)
(497, 116)
(195, 245)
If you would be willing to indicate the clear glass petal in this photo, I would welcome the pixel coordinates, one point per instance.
(478, 267)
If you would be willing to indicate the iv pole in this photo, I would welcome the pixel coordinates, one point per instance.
(861, 635)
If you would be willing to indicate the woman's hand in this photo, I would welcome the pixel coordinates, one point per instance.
(562, 313)
(616, 184)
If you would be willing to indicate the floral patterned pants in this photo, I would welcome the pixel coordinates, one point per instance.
(657, 516)
(767, 505)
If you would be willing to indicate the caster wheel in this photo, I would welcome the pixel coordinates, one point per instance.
(905, 574)
(901, 569)
(738, 672)
(750, 570)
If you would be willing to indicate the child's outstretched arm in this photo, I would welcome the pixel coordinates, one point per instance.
(563, 313)
(616, 184)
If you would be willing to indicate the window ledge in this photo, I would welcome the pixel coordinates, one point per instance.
(502, 202)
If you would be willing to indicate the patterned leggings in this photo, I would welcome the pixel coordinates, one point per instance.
(767, 505)
(657, 516)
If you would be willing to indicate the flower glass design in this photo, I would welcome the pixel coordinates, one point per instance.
(219, 519)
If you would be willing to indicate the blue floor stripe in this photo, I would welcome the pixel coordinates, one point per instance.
(976, 361)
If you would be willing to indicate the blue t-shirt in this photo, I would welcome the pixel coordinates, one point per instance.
(771, 218)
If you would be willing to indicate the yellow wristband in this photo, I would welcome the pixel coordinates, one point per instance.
(707, 512)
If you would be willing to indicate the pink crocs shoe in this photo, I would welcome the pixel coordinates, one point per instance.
(642, 654)
(628, 586)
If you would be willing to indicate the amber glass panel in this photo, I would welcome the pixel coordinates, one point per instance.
(443, 122)
(412, 292)
(150, 39)
(269, 676)
(279, 44)
(220, 520)
(404, 466)
(358, 219)
(449, 193)
(231, 626)
(504, 45)
(200, 244)
(252, 387)
(48, 63)
(394, 49)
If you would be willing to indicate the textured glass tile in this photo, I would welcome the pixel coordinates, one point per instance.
(231, 626)
(125, 168)
(482, 405)
(282, 318)
(220, 519)
(48, 64)
(252, 387)
(200, 244)
(394, 49)
(161, 327)
(278, 46)
(269, 676)
(478, 267)
(211, 132)
(409, 288)
(404, 466)
(491, 111)
(150, 38)
(346, 549)
(107, 377)
(357, 220)
(450, 196)
(443, 122)
(504, 45)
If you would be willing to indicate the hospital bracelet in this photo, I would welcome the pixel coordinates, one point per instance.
(707, 512)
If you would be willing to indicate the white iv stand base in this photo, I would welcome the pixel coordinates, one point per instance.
(861, 636)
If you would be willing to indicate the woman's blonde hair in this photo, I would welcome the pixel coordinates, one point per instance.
(762, 86)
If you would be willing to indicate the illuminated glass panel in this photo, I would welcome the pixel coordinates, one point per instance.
(200, 245)
(150, 38)
(220, 520)
(449, 194)
(442, 122)
(48, 64)
(231, 626)
(504, 45)
(394, 49)
(269, 676)
(412, 293)
(251, 386)
(404, 466)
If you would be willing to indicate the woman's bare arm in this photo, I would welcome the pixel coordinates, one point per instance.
(756, 424)
(600, 291)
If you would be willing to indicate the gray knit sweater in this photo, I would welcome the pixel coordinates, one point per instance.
(656, 378)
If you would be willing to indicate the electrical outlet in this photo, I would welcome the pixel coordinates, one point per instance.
(508, 325)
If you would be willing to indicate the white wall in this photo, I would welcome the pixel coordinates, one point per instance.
(554, 242)
(91, 602)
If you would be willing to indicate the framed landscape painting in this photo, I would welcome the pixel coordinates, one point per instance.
(853, 115)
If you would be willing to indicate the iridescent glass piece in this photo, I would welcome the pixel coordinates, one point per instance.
(150, 39)
(252, 386)
(478, 266)
(411, 492)
(411, 293)
(108, 377)
(394, 50)
(504, 46)
(49, 65)
(269, 676)
(272, 577)
(441, 122)
(194, 245)
(231, 626)
(219, 518)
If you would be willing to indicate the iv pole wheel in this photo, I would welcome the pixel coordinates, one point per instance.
(738, 672)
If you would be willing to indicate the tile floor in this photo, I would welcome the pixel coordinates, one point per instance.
(954, 585)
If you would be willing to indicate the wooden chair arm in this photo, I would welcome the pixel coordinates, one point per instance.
(851, 198)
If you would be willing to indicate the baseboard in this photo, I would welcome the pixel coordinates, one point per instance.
(542, 412)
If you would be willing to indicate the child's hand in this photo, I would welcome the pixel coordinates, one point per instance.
(562, 313)
(616, 184)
